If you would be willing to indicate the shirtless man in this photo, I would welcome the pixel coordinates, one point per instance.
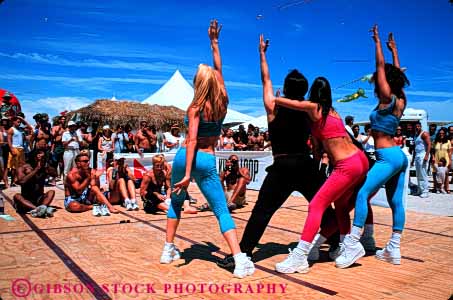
(57, 148)
(145, 139)
(43, 130)
(32, 197)
(256, 141)
(235, 180)
(82, 189)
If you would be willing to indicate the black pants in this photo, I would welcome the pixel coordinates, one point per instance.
(286, 175)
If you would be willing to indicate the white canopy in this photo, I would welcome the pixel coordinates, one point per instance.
(260, 122)
(179, 93)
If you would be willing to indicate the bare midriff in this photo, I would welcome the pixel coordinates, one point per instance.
(382, 140)
(205, 144)
(339, 148)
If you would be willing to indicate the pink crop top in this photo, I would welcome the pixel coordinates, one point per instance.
(332, 127)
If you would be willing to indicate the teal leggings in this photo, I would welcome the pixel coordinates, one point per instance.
(389, 169)
(204, 172)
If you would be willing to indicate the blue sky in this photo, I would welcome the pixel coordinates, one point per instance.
(58, 55)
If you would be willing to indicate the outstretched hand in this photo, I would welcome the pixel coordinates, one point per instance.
(277, 93)
(391, 44)
(214, 30)
(181, 185)
(263, 44)
(375, 32)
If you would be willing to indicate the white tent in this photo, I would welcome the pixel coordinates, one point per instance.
(260, 122)
(178, 92)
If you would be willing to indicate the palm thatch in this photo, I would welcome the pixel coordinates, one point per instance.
(113, 113)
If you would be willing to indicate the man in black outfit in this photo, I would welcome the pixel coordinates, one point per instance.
(293, 168)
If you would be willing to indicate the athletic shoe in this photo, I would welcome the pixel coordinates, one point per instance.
(134, 206)
(390, 254)
(226, 262)
(443, 191)
(335, 252)
(128, 204)
(368, 243)
(313, 255)
(295, 262)
(104, 210)
(351, 251)
(169, 254)
(244, 267)
(424, 195)
(39, 212)
(97, 211)
(50, 211)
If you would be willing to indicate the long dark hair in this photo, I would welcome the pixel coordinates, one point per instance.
(439, 139)
(321, 93)
(396, 79)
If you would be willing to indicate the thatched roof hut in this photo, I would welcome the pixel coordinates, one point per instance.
(113, 113)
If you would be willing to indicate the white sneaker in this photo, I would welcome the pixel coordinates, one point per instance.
(97, 211)
(335, 252)
(390, 254)
(424, 195)
(128, 204)
(368, 243)
(244, 268)
(351, 251)
(169, 254)
(134, 206)
(104, 210)
(295, 262)
(443, 191)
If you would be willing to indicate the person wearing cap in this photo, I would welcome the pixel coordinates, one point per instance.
(106, 144)
(121, 183)
(16, 143)
(349, 121)
(173, 140)
(71, 143)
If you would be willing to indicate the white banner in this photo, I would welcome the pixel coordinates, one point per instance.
(255, 161)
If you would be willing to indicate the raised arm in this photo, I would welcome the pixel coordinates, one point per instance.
(383, 87)
(391, 44)
(213, 33)
(268, 92)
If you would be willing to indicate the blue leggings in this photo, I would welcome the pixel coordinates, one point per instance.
(204, 172)
(389, 169)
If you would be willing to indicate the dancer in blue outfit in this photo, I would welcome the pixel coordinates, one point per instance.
(195, 159)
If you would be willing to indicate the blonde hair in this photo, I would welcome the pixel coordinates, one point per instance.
(158, 159)
(208, 88)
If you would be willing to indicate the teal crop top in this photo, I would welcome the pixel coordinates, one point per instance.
(206, 128)
(384, 120)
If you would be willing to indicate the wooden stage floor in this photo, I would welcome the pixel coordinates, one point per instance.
(79, 256)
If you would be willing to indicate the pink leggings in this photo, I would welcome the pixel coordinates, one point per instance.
(338, 188)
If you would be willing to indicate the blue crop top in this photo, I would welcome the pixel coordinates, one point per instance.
(384, 120)
(206, 128)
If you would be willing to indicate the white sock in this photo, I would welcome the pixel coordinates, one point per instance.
(395, 240)
(368, 230)
(240, 257)
(356, 232)
(342, 237)
(168, 245)
(319, 240)
(304, 246)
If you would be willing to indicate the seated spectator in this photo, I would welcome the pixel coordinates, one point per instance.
(121, 183)
(155, 188)
(32, 197)
(82, 191)
(235, 180)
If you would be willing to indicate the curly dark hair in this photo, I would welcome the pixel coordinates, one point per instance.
(295, 86)
(396, 79)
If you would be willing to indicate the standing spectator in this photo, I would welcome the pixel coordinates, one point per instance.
(5, 125)
(106, 144)
(368, 145)
(442, 173)
(442, 149)
(16, 142)
(241, 139)
(410, 140)
(432, 135)
(173, 139)
(145, 139)
(421, 158)
(120, 139)
(349, 121)
(71, 142)
(450, 137)
(57, 148)
(267, 141)
(227, 142)
(130, 146)
(255, 142)
(356, 132)
(399, 138)
(86, 137)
